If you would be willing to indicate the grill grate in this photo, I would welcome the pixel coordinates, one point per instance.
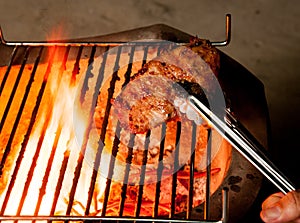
(34, 73)
(80, 160)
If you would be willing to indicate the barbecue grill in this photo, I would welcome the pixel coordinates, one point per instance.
(36, 154)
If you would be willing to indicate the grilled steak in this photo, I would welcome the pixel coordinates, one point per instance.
(149, 111)
(148, 99)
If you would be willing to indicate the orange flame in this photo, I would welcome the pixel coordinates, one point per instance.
(53, 133)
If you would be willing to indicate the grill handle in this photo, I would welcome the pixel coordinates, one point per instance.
(241, 139)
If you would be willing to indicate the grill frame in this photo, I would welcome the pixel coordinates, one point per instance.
(87, 42)
(227, 184)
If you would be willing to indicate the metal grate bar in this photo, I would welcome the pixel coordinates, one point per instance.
(126, 175)
(145, 153)
(191, 179)
(159, 169)
(76, 66)
(176, 166)
(64, 60)
(89, 74)
(35, 158)
(143, 172)
(111, 168)
(145, 55)
(129, 68)
(60, 181)
(12, 57)
(48, 169)
(104, 219)
(74, 183)
(208, 175)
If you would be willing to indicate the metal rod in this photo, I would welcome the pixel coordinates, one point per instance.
(75, 183)
(144, 160)
(145, 55)
(42, 190)
(159, 169)
(227, 33)
(225, 204)
(192, 169)
(126, 174)
(143, 173)
(129, 67)
(12, 57)
(76, 68)
(112, 44)
(242, 141)
(98, 218)
(89, 74)
(176, 166)
(61, 177)
(208, 175)
(111, 165)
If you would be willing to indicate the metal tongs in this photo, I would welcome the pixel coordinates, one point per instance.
(241, 139)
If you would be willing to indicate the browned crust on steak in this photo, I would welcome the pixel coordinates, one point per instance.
(148, 111)
(207, 52)
(170, 71)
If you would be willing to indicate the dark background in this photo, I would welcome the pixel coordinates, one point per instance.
(265, 39)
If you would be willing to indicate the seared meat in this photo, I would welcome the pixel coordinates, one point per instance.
(148, 99)
(149, 111)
